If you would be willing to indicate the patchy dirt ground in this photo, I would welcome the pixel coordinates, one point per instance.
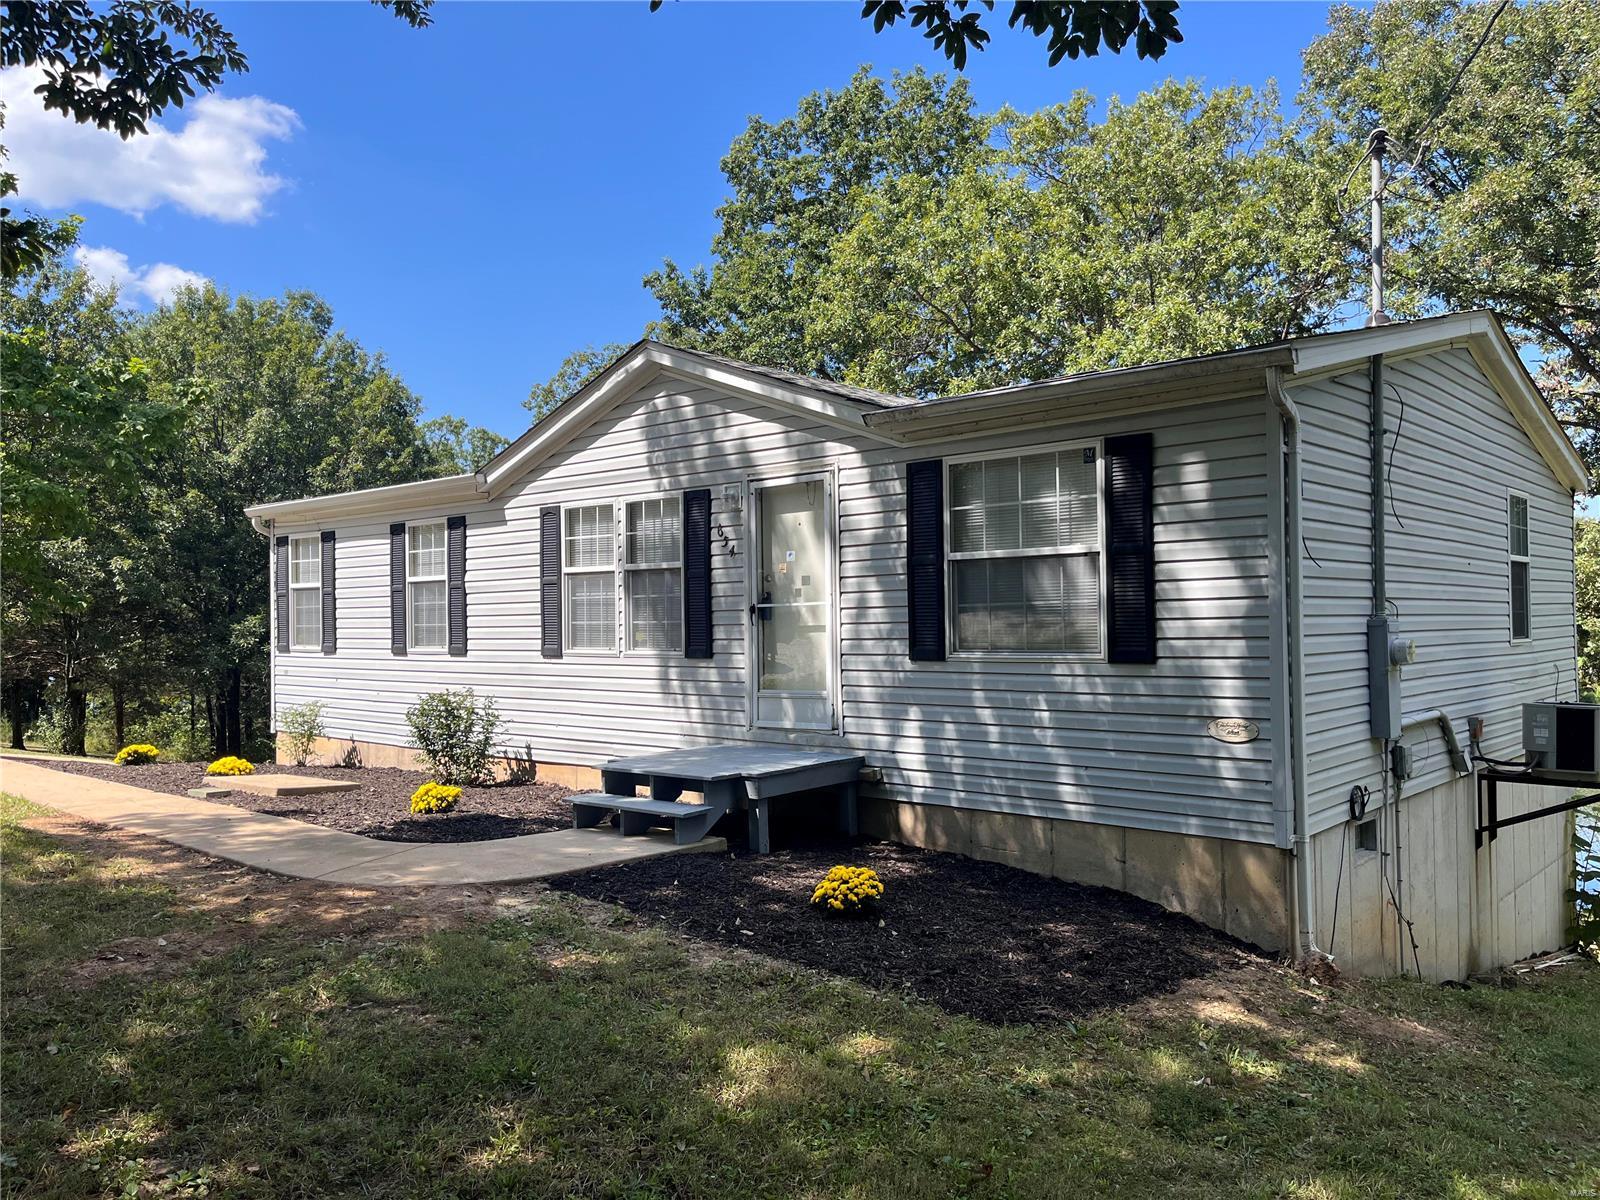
(246, 903)
(976, 938)
(379, 808)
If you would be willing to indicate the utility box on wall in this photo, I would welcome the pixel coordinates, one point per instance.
(1386, 654)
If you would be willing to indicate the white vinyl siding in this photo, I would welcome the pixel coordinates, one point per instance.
(652, 564)
(1052, 735)
(305, 592)
(589, 565)
(426, 623)
(1449, 465)
(1521, 568)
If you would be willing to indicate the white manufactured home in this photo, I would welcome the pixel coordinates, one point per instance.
(1209, 631)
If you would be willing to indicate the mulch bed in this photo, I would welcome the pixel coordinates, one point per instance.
(379, 808)
(975, 938)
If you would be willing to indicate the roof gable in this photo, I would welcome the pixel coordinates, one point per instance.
(837, 405)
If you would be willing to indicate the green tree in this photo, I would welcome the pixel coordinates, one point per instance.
(277, 404)
(946, 250)
(1492, 110)
(1071, 27)
(798, 185)
(459, 448)
(1586, 571)
(80, 430)
(577, 369)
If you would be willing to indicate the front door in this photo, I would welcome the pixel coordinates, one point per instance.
(792, 601)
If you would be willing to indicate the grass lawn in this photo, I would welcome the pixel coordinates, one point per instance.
(198, 1028)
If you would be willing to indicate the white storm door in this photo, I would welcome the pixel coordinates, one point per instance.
(792, 603)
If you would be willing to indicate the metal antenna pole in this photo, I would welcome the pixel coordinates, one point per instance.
(1377, 146)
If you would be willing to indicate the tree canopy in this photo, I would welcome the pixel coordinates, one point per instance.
(133, 444)
(1071, 28)
(891, 236)
(1495, 200)
(577, 369)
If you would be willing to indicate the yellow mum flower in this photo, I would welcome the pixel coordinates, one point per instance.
(848, 890)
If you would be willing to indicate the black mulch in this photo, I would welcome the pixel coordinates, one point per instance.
(976, 938)
(379, 808)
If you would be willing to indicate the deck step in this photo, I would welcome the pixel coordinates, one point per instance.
(636, 816)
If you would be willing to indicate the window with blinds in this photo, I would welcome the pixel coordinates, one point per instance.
(1025, 552)
(652, 568)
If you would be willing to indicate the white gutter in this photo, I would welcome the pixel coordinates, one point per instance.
(1304, 902)
(379, 500)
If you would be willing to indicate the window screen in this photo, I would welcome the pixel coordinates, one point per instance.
(426, 621)
(590, 557)
(305, 592)
(653, 574)
(1521, 571)
(1025, 552)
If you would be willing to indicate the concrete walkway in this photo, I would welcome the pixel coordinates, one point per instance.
(289, 847)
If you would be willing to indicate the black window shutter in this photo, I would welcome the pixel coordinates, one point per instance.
(330, 640)
(550, 581)
(697, 573)
(1130, 550)
(456, 582)
(925, 559)
(280, 589)
(397, 588)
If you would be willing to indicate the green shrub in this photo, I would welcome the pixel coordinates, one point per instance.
(169, 728)
(50, 731)
(301, 726)
(454, 735)
(1586, 895)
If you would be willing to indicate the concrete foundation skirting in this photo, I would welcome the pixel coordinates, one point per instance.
(1239, 887)
(333, 751)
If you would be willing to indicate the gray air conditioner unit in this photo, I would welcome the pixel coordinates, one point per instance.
(1562, 741)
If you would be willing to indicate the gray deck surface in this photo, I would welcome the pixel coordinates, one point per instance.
(730, 760)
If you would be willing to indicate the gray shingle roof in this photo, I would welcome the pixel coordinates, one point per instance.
(845, 390)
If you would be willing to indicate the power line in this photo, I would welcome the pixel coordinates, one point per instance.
(1449, 92)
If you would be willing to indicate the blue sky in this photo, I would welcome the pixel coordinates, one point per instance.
(479, 198)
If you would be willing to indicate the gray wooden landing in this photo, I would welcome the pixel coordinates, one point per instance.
(740, 775)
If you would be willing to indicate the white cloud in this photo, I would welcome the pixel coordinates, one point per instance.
(213, 165)
(158, 282)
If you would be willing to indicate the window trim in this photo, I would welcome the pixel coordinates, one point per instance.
(315, 538)
(568, 647)
(624, 621)
(953, 648)
(411, 622)
(1511, 574)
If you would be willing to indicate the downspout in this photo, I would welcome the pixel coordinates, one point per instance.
(1304, 903)
(1380, 540)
